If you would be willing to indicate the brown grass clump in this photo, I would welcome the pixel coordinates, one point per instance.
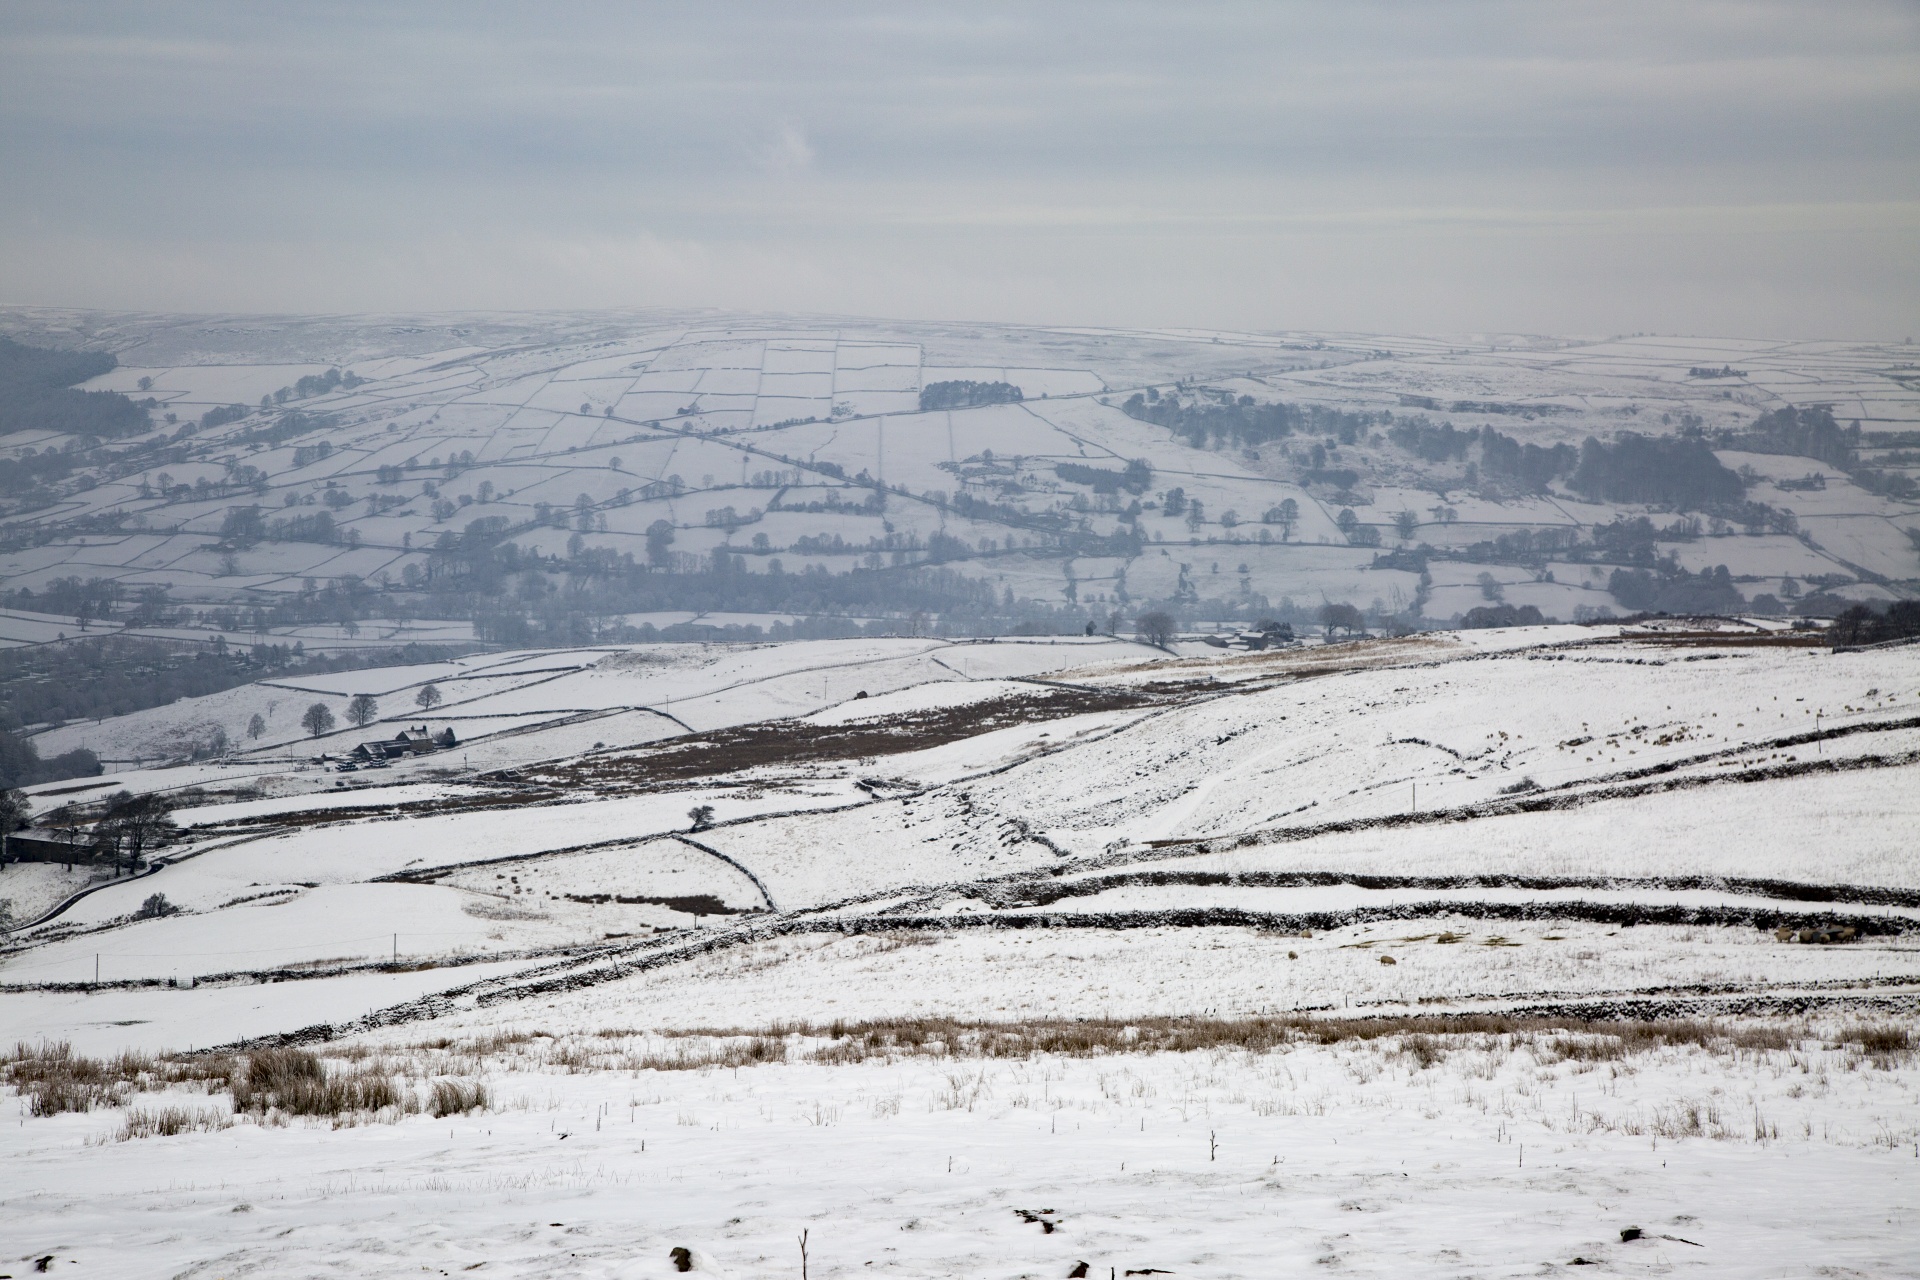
(732, 1051)
(167, 1122)
(456, 1097)
(1883, 1044)
(287, 1082)
(791, 743)
(54, 1079)
(1426, 1039)
(295, 1082)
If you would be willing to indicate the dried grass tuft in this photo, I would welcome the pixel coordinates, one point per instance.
(456, 1097)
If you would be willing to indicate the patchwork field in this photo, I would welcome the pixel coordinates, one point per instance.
(766, 449)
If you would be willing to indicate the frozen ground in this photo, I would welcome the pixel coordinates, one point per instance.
(1449, 1157)
(1573, 834)
(1570, 774)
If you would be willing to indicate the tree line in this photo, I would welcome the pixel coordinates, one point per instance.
(1207, 418)
(963, 394)
(37, 394)
(114, 675)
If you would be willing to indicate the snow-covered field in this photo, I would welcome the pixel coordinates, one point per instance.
(1506, 941)
(1447, 1156)
(767, 441)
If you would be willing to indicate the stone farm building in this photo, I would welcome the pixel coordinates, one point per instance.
(412, 741)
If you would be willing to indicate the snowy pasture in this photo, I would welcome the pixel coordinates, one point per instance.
(1527, 949)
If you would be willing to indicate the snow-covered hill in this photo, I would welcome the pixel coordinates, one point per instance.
(1441, 951)
(1555, 779)
(800, 447)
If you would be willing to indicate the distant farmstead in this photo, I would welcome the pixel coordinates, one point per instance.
(411, 741)
(39, 844)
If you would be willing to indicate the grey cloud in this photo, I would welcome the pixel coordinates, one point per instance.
(1083, 161)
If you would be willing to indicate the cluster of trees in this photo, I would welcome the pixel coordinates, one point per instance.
(129, 827)
(1528, 466)
(962, 394)
(1156, 627)
(518, 596)
(1863, 624)
(1502, 615)
(1347, 618)
(1431, 442)
(869, 504)
(816, 628)
(312, 384)
(1356, 533)
(1711, 591)
(1623, 541)
(1813, 433)
(572, 614)
(315, 527)
(1285, 513)
(362, 710)
(1676, 472)
(1807, 433)
(119, 831)
(1219, 420)
(36, 394)
(221, 415)
(1135, 479)
(318, 384)
(285, 427)
(80, 597)
(308, 454)
(28, 478)
(22, 766)
(114, 675)
(29, 475)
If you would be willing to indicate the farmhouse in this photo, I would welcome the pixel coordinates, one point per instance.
(41, 844)
(412, 741)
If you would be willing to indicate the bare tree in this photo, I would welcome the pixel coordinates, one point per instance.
(317, 719)
(14, 807)
(1345, 616)
(702, 816)
(257, 726)
(428, 698)
(1286, 514)
(132, 824)
(1155, 628)
(362, 709)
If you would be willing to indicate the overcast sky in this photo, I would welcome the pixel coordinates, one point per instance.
(1548, 167)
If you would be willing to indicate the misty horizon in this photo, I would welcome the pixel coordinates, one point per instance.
(1729, 169)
